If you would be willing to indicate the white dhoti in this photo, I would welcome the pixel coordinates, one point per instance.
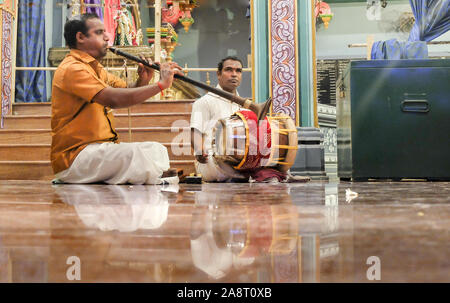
(134, 163)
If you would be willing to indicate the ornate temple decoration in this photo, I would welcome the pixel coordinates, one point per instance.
(186, 19)
(7, 16)
(175, 11)
(179, 11)
(169, 39)
(172, 13)
(283, 61)
(128, 31)
(124, 32)
(323, 13)
(123, 24)
(75, 6)
(121, 18)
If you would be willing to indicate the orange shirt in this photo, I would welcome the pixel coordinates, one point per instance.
(76, 120)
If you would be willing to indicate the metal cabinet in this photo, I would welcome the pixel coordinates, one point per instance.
(393, 119)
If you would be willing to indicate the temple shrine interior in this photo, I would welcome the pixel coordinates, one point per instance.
(350, 181)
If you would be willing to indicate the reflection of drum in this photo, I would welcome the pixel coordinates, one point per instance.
(242, 143)
(251, 231)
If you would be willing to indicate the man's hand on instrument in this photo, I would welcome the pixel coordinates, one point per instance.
(145, 73)
(167, 71)
(202, 158)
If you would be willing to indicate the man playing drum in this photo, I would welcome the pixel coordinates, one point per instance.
(231, 142)
(207, 110)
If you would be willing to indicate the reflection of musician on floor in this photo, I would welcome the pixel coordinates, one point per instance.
(126, 210)
(230, 235)
(207, 110)
(213, 258)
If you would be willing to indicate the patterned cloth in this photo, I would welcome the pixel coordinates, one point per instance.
(395, 50)
(31, 85)
(96, 10)
(432, 19)
(111, 9)
(263, 174)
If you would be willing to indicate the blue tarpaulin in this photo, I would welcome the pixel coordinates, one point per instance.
(432, 19)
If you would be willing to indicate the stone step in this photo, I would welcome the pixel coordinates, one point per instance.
(41, 152)
(41, 170)
(163, 106)
(43, 136)
(121, 120)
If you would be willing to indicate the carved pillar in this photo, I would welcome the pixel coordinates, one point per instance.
(292, 79)
(8, 9)
(283, 58)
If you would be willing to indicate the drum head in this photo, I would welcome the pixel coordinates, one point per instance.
(229, 140)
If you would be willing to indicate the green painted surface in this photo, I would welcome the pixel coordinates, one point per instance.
(305, 64)
(261, 68)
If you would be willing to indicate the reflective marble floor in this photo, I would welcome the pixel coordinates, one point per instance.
(312, 232)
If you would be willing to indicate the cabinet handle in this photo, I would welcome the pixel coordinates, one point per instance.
(415, 106)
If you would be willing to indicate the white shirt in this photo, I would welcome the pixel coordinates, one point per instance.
(210, 108)
(206, 111)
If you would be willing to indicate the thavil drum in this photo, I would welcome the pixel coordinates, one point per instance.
(243, 143)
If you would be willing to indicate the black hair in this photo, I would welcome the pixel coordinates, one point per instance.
(77, 24)
(233, 58)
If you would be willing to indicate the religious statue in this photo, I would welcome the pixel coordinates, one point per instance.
(75, 7)
(121, 18)
(128, 31)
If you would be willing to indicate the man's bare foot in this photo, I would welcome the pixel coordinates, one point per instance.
(171, 172)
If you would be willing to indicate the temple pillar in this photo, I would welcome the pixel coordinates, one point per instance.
(307, 58)
(283, 61)
(284, 74)
(8, 27)
(284, 69)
